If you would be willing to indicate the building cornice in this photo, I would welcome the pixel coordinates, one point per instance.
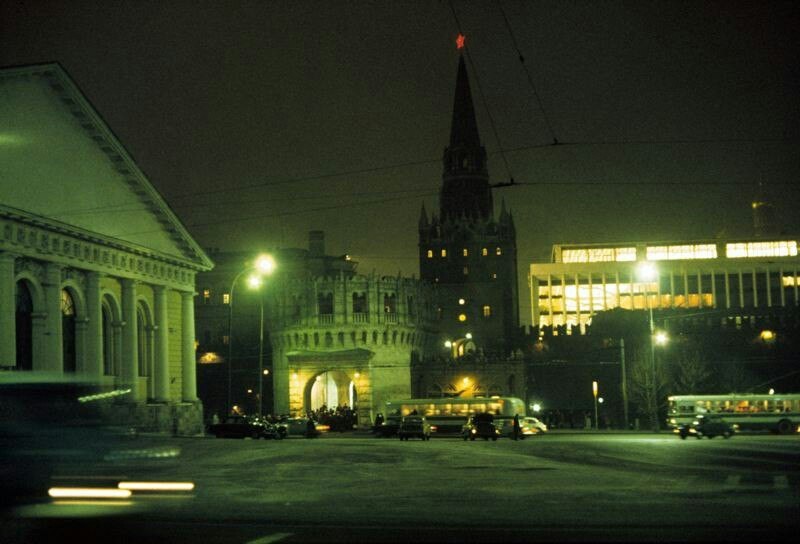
(38, 238)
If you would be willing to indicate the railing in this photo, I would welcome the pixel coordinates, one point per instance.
(326, 319)
(360, 317)
(390, 317)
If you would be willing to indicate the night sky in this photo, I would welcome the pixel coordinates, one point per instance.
(260, 121)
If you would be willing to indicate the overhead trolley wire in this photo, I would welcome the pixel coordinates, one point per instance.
(527, 73)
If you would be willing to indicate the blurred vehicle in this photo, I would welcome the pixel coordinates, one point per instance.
(414, 426)
(709, 426)
(244, 427)
(531, 426)
(57, 431)
(297, 426)
(389, 427)
(480, 426)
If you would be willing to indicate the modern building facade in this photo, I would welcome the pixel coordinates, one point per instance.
(96, 272)
(468, 255)
(335, 337)
(739, 277)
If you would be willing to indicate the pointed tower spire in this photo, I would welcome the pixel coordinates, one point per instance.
(464, 127)
(423, 218)
(465, 190)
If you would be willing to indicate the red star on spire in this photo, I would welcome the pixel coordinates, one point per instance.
(460, 41)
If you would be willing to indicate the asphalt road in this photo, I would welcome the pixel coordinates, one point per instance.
(557, 487)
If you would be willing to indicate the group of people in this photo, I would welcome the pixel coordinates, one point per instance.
(339, 419)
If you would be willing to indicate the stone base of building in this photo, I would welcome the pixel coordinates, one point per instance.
(177, 419)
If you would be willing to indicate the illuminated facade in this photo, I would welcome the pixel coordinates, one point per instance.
(736, 275)
(335, 337)
(96, 273)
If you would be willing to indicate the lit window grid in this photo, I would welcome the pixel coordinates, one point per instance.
(681, 252)
(564, 300)
(598, 255)
(786, 248)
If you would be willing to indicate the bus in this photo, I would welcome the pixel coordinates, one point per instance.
(775, 413)
(448, 415)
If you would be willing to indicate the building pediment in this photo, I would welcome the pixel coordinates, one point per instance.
(63, 164)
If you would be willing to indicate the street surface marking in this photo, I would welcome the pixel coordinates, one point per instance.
(268, 539)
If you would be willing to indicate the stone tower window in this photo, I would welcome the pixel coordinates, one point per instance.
(444, 253)
(498, 251)
(487, 311)
(484, 252)
(430, 254)
(465, 252)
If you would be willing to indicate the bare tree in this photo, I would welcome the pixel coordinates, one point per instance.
(648, 386)
(691, 374)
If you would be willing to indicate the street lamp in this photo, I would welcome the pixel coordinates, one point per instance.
(262, 265)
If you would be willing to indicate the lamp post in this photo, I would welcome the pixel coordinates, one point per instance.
(647, 272)
(594, 392)
(263, 265)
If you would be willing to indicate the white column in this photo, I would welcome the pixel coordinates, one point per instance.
(129, 375)
(713, 290)
(769, 288)
(755, 288)
(780, 286)
(53, 343)
(727, 290)
(189, 381)
(8, 306)
(161, 364)
(94, 330)
(741, 290)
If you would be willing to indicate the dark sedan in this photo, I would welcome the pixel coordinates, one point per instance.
(243, 427)
(706, 426)
(480, 426)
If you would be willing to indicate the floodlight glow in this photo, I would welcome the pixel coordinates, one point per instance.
(254, 282)
(448, 344)
(469, 336)
(661, 338)
(265, 264)
(646, 271)
(537, 407)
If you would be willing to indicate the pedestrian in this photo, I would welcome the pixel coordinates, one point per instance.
(517, 429)
(215, 419)
(311, 428)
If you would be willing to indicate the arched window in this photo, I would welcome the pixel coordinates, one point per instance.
(68, 331)
(24, 326)
(108, 341)
(141, 341)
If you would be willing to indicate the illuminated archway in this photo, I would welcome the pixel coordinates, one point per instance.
(331, 389)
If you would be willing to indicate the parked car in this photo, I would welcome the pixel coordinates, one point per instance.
(412, 426)
(244, 427)
(704, 425)
(389, 427)
(480, 426)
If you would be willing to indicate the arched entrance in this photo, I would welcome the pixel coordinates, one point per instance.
(331, 389)
(24, 325)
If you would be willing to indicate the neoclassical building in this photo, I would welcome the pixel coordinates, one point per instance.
(97, 274)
